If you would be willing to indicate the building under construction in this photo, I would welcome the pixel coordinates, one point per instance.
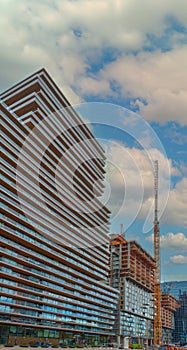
(132, 272)
(169, 305)
(179, 290)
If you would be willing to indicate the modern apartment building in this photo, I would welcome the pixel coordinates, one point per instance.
(174, 287)
(54, 229)
(132, 272)
(179, 290)
(169, 305)
(180, 333)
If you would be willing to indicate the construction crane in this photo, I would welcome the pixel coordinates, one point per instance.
(122, 231)
(157, 289)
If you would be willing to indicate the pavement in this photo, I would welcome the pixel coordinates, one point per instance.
(15, 347)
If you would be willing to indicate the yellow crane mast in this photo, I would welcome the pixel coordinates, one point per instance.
(157, 288)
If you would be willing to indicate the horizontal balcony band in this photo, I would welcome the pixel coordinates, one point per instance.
(43, 226)
(42, 241)
(40, 259)
(20, 258)
(48, 188)
(51, 278)
(28, 285)
(38, 296)
(96, 265)
(70, 262)
(48, 326)
(72, 310)
(58, 313)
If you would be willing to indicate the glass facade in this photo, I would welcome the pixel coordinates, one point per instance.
(180, 332)
(176, 288)
(136, 311)
(53, 251)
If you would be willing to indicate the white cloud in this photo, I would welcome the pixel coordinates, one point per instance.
(175, 213)
(94, 86)
(172, 241)
(183, 169)
(30, 39)
(176, 136)
(130, 174)
(179, 259)
(159, 78)
(66, 38)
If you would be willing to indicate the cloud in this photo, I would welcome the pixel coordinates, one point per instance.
(36, 44)
(178, 137)
(175, 213)
(93, 86)
(178, 259)
(130, 174)
(69, 41)
(155, 81)
(172, 241)
(183, 168)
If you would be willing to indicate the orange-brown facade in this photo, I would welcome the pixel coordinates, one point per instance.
(169, 305)
(136, 264)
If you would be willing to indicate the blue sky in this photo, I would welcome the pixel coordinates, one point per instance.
(128, 53)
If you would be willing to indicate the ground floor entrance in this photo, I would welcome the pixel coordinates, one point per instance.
(22, 335)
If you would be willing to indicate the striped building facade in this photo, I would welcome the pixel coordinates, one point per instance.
(54, 229)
